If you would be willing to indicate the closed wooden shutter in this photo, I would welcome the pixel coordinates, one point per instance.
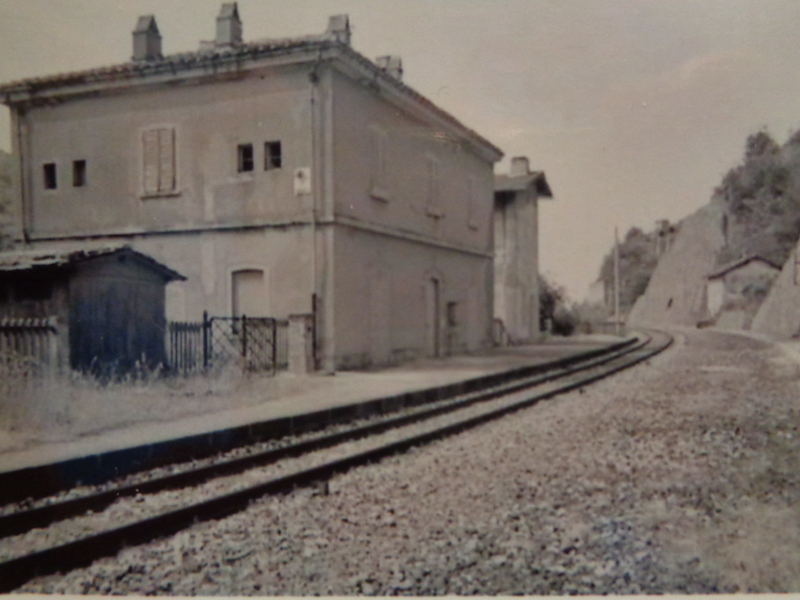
(158, 147)
(150, 162)
(166, 147)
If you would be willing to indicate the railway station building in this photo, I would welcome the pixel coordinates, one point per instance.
(516, 255)
(289, 176)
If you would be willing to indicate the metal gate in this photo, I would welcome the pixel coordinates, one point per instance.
(247, 343)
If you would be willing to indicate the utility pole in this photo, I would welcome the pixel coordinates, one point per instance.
(616, 281)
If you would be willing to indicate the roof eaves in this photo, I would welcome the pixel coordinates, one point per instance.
(27, 89)
(508, 183)
(407, 91)
(724, 270)
(37, 259)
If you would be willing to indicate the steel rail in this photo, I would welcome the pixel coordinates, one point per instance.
(21, 521)
(81, 552)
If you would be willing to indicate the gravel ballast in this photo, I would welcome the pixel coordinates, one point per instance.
(680, 475)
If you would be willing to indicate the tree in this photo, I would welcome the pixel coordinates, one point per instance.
(637, 261)
(761, 200)
(553, 308)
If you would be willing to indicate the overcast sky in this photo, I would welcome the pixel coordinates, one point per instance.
(633, 108)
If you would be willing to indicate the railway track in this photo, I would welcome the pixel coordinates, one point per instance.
(101, 522)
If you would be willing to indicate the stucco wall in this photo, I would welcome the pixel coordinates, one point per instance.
(516, 264)
(383, 299)
(208, 259)
(209, 121)
(463, 206)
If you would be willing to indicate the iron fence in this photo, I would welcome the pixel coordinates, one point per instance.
(28, 349)
(248, 343)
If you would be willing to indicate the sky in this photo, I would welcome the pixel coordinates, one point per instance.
(634, 109)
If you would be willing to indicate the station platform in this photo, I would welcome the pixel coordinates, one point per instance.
(302, 401)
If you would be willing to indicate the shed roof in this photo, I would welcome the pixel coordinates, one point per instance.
(518, 183)
(740, 263)
(27, 260)
(209, 59)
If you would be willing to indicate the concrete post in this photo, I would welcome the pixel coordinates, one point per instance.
(301, 344)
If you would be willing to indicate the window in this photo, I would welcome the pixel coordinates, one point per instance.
(473, 208)
(50, 182)
(158, 148)
(433, 208)
(272, 155)
(379, 184)
(452, 319)
(245, 158)
(78, 173)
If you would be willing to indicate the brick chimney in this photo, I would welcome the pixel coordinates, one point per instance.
(339, 28)
(146, 39)
(392, 65)
(229, 26)
(519, 166)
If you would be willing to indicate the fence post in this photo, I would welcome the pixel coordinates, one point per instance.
(52, 346)
(244, 340)
(274, 345)
(206, 336)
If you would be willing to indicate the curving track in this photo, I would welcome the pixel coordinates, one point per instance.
(228, 486)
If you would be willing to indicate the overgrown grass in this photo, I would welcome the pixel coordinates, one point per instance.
(37, 406)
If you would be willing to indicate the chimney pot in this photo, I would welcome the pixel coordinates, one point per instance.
(519, 166)
(339, 28)
(229, 26)
(146, 39)
(392, 65)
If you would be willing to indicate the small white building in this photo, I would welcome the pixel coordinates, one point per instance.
(280, 177)
(516, 252)
(735, 292)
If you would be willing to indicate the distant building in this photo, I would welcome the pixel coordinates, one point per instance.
(107, 304)
(279, 176)
(516, 251)
(736, 291)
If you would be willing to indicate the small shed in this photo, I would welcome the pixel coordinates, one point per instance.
(108, 304)
(735, 291)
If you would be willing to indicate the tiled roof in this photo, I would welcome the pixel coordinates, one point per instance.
(214, 57)
(508, 183)
(169, 64)
(25, 260)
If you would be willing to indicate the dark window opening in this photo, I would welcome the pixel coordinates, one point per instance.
(50, 176)
(245, 158)
(669, 303)
(452, 319)
(78, 173)
(272, 155)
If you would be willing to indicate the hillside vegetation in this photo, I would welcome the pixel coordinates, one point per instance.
(761, 201)
(637, 260)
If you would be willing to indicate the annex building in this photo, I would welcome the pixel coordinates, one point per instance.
(278, 177)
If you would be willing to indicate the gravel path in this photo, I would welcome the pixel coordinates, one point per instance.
(681, 475)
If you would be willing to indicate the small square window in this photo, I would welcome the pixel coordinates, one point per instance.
(50, 181)
(272, 155)
(245, 152)
(78, 173)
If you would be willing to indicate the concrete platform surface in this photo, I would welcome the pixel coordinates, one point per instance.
(308, 394)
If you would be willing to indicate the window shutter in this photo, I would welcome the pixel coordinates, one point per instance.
(150, 162)
(166, 148)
